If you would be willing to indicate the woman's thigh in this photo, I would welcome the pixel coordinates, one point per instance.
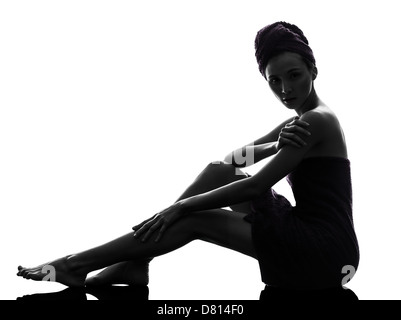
(224, 228)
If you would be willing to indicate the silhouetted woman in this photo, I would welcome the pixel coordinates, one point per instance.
(305, 247)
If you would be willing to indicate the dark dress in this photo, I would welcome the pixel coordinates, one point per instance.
(307, 246)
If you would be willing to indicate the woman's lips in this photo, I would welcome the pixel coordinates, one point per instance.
(288, 100)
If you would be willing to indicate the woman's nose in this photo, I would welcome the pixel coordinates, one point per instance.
(285, 88)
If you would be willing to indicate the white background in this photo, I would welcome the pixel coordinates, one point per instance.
(109, 109)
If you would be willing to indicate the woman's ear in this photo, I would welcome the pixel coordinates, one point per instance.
(314, 73)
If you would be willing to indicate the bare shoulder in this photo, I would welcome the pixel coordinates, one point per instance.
(327, 132)
(322, 119)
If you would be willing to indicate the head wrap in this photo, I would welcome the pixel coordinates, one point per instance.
(279, 37)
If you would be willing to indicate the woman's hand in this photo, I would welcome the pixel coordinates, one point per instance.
(160, 221)
(291, 134)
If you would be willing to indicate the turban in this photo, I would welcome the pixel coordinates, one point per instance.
(277, 38)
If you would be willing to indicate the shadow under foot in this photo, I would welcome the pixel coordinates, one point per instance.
(100, 293)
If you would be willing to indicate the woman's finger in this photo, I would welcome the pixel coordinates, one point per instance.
(296, 129)
(286, 142)
(137, 227)
(300, 123)
(152, 229)
(141, 230)
(290, 142)
(161, 232)
(292, 138)
(301, 130)
(145, 227)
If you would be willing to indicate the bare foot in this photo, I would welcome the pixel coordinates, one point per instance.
(60, 270)
(127, 272)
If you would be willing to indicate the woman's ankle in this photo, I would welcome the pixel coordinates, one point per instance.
(76, 265)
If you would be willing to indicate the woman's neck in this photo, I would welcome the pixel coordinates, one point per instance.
(310, 103)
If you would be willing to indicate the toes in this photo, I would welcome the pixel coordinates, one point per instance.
(24, 273)
(33, 274)
(20, 270)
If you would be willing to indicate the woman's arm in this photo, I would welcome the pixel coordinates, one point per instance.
(287, 133)
(251, 154)
(277, 168)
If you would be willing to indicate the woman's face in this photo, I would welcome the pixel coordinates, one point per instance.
(290, 79)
